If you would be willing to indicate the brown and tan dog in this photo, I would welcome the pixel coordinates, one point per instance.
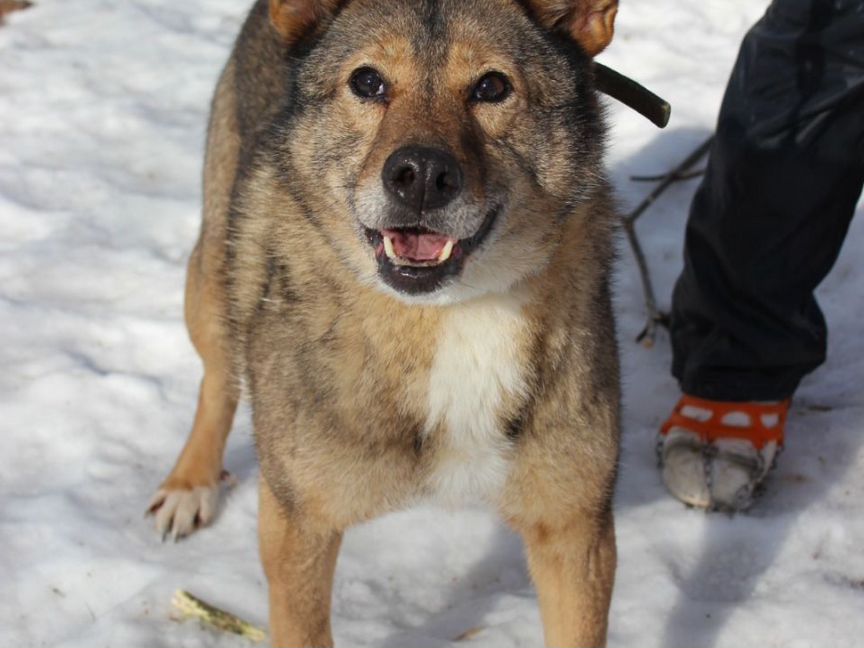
(405, 259)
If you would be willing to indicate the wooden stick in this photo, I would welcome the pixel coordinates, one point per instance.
(191, 607)
(632, 94)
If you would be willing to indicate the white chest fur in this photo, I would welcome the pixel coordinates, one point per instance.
(479, 361)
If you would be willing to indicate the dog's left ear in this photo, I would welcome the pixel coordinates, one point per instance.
(293, 19)
(591, 23)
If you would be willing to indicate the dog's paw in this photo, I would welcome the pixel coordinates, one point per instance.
(179, 511)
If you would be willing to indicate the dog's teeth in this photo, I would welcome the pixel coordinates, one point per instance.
(388, 248)
(446, 251)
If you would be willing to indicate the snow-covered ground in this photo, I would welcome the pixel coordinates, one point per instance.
(102, 112)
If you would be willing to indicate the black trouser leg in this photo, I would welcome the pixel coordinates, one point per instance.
(766, 225)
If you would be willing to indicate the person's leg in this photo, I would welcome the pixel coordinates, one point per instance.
(766, 225)
(784, 175)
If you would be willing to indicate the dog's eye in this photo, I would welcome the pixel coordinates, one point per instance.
(368, 84)
(493, 87)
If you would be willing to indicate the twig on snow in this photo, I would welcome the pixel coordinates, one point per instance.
(655, 316)
(191, 607)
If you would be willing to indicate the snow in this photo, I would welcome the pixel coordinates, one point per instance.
(102, 113)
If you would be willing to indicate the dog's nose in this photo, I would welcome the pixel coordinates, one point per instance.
(422, 178)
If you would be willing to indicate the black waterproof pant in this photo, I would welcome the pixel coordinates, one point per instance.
(784, 175)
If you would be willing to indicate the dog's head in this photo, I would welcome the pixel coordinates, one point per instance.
(441, 143)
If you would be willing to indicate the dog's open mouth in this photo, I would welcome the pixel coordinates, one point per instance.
(417, 247)
(415, 260)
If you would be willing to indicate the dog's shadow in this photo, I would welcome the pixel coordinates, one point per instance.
(473, 597)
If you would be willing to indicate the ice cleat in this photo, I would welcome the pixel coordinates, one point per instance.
(714, 454)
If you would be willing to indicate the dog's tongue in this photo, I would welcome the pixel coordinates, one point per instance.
(416, 246)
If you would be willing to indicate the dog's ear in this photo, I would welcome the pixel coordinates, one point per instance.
(293, 19)
(591, 23)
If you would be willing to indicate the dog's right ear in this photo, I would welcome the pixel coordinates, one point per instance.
(293, 19)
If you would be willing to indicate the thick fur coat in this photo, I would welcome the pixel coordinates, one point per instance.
(481, 368)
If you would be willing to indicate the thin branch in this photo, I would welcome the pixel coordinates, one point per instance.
(656, 317)
(669, 179)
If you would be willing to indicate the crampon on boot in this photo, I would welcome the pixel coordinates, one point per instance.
(714, 454)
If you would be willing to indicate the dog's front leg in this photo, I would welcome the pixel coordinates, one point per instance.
(573, 567)
(299, 562)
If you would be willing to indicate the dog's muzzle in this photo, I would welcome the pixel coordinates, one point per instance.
(420, 241)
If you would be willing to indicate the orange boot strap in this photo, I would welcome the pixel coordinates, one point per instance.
(713, 428)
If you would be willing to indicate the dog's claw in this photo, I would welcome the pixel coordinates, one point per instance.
(155, 504)
(181, 511)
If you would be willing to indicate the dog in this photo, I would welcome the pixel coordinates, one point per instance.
(405, 261)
